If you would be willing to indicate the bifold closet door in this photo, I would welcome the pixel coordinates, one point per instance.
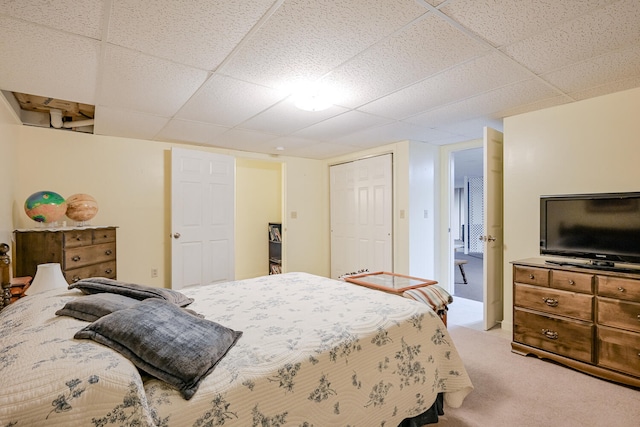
(361, 196)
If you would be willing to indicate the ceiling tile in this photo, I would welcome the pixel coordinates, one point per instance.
(485, 104)
(610, 87)
(189, 131)
(502, 22)
(534, 106)
(341, 125)
(285, 118)
(82, 17)
(127, 124)
(610, 67)
(228, 102)
(613, 27)
(244, 140)
(392, 132)
(463, 81)
(36, 61)
(303, 40)
(134, 81)
(199, 33)
(322, 150)
(420, 50)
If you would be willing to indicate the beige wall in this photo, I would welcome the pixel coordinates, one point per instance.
(589, 146)
(130, 180)
(258, 202)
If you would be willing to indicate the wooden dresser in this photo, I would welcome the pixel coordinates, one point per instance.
(81, 252)
(587, 319)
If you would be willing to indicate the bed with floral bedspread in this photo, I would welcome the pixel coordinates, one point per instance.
(312, 352)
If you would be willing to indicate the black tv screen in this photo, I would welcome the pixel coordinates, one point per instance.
(603, 228)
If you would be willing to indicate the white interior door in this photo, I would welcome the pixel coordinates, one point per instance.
(492, 232)
(361, 215)
(202, 218)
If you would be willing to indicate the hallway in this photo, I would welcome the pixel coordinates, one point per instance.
(473, 270)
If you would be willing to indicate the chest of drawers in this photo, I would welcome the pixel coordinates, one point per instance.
(585, 318)
(81, 252)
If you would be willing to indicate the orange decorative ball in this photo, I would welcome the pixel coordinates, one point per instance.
(81, 207)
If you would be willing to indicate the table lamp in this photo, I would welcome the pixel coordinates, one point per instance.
(48, 276)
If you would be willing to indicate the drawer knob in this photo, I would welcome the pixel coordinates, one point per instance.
(531, 276)
(75, 279)
(571, 282)
(550, 302)
(108, 271)
(621, 289)
(108, 252)
(553, 335)
(76, 258)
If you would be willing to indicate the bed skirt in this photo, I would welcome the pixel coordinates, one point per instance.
(430, 416)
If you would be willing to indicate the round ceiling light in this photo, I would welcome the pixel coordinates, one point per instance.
(312, 98)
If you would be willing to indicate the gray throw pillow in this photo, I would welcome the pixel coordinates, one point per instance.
(165, 341)
(96, 285)
(93, 307)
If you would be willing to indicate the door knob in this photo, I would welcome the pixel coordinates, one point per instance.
(176, 235)
(488, 238)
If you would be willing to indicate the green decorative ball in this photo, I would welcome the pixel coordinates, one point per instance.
(45, 206)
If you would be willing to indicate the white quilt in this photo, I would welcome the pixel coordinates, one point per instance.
(314, 352)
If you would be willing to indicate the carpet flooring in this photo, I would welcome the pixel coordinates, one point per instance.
(513, 390)
(473, 270)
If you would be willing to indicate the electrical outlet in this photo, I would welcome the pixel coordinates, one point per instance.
(154, 272)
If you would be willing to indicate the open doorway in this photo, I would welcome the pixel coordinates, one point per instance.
(467, 223)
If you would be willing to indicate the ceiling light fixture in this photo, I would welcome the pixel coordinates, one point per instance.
(312, 98)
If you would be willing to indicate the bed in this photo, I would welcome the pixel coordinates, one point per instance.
(306, 351)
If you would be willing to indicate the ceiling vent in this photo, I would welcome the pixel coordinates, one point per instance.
(54, 113)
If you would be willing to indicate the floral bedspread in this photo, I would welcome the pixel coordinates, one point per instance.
(314, 352)
(317, 352)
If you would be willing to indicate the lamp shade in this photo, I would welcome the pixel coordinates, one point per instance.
(48, 276)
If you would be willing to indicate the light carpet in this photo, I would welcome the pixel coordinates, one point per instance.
(513, 390)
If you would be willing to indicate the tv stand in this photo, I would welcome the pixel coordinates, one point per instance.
(580, 315)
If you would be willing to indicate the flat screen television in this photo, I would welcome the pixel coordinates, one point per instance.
(601, 228)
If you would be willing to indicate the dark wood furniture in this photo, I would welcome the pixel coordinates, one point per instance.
(81, 252)
(587, 319)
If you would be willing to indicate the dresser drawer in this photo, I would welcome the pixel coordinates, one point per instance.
(566, 337)
(105, 269)
(619, 314)
(79, 257)
(571, 281)
(554, 301)
(531, 275)
(618, 287)
(106, 235)
(619, 350)
(77, 238)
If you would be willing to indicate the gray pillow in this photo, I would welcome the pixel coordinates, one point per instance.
(93, 307)
(96, 285)
(165, 341)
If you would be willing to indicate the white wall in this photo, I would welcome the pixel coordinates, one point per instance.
(589, 146)
(423, 215)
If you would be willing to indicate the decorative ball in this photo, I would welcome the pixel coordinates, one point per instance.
(81, 207)
(45, 206)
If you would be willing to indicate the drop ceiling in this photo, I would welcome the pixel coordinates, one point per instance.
(220, 73)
